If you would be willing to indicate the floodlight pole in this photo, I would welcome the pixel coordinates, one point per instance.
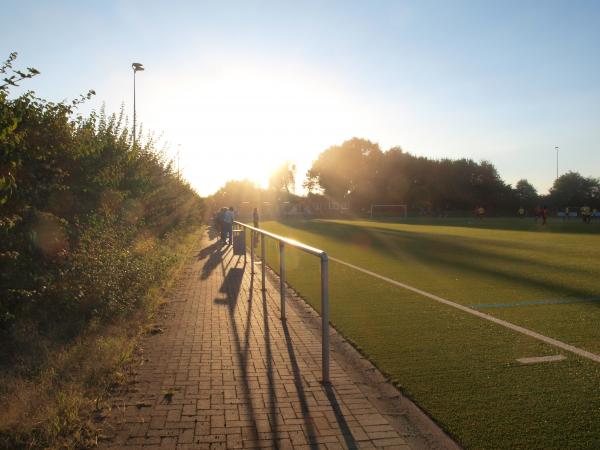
(178, 170)
(134, 107)
(556, 148)
(136, 67)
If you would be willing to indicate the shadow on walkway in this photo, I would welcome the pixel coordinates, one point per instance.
(231, 286)
(273, 413)
(339, 417)
(218, 254)
(207, 251)
(329, 391)
(215, 253)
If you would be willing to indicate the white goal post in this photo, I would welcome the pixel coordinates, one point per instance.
(389, 211)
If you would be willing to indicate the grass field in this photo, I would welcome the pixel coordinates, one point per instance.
(459, 368)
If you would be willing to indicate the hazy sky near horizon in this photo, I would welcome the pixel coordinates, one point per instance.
(242, 86)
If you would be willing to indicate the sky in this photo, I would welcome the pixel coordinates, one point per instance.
(236, 88)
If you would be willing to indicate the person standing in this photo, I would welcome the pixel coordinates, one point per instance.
(255, 218)
(585, 214)
(544, 213)
(221, 224)
(228, 219)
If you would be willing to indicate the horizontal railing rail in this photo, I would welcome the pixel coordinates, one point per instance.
(283, 242)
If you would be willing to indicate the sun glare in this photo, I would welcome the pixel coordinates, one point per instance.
(244, 121)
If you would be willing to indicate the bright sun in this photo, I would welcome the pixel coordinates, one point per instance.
(243, 121)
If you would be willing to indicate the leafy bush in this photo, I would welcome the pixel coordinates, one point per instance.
(84, 214)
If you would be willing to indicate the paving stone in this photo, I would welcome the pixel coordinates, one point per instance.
(227, 373)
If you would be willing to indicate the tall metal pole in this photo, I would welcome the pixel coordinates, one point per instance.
(178, 170)
(135, 67)
(263, 261)
(282, 278)
(325, 318)
(556, 148)
(134, 107)
(252, 236)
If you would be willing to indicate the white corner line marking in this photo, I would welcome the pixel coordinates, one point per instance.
(503, 323)
(541, 359)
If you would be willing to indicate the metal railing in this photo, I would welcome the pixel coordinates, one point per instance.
(283, 242)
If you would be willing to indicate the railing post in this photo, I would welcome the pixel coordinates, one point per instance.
(252, 252)
(263, 259)
(324, 285)
(325, 317)
(282, 278)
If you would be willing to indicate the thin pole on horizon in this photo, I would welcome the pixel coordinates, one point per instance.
(178, 170)
(136, 67)
(556, 148)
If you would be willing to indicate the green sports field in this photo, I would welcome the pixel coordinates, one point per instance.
(459, 368)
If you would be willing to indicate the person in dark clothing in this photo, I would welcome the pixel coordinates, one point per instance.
(221, 223)
(255, 217)
(228, 219)
(544, 214)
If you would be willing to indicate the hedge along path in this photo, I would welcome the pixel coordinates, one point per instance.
(511, 326)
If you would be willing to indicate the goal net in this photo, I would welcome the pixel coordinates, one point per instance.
(395, 211)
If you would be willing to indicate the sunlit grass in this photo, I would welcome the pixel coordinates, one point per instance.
(462, 370)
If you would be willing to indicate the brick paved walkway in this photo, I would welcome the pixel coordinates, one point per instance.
(225, 372)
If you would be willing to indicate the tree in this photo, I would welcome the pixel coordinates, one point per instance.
(573, 189)
(284, 178)
(348, 171)
(10, 117)
(67, 184)
(359, 171)
(526, 194)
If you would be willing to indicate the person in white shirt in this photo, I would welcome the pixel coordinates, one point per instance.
(228, 218)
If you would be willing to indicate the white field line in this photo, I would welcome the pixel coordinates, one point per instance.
(504, 323)
(541, 359)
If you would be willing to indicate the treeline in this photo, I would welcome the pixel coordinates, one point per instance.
(87, 216)
(359, 172)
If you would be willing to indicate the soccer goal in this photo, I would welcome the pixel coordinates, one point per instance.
(389, 211)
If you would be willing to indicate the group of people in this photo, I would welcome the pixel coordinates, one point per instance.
(586, 213)
(224, 224)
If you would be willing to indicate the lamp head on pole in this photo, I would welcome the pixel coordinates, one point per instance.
(137, 67)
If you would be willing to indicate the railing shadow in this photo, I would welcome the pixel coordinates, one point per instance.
(231, 286)
(339, 416)
(273, 416)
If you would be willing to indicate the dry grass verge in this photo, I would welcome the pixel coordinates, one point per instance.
(59, 407)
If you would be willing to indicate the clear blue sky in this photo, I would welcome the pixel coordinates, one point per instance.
(239, 87)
